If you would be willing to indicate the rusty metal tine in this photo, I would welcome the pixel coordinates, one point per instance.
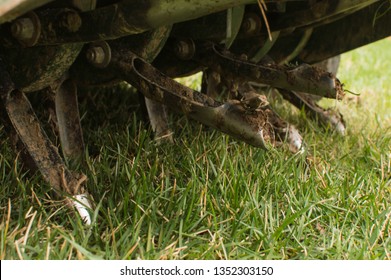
(229, 117)
(68, 118)
(314, 111)
(42, 151)
(45, 155)
(158, 119)
(304, 78)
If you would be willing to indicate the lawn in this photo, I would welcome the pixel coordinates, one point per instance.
(210, 197)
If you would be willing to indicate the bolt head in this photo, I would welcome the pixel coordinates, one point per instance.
(251, 25)
(71, 21)
(95, 55)
(184, 49)
(99, 54)
(23, 29)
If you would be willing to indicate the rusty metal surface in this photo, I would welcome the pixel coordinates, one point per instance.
(158, 118)
(304, 78)
(260, 128)
(328, 118)
(125, 18)
(227, 117)
(346, 34)
(41, 150)
(318, 12)
(255, 102)
(32, 69)
(147, 45)
(68, 118)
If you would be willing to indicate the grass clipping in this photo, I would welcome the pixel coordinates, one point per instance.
(263, 8)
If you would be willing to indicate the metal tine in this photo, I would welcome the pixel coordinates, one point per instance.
(285, 133)
(228, 117)
(325, 117)
(159, 122)
(68, 120)
(254, 101)
(261, 128)
(304, 78)
(22, 119)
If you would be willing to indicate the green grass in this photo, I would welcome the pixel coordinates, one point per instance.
(211, 197)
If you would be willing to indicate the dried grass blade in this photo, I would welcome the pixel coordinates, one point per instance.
(263, 8)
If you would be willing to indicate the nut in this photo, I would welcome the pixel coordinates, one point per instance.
(23, 29)
(99, 54)
(185, 49)
(71, 21)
